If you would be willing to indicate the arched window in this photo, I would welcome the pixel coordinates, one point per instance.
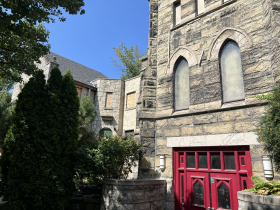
(181, 84)
(105, 132)
(231, 70)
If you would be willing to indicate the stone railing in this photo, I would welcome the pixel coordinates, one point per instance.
(250, 201)
(133, 194)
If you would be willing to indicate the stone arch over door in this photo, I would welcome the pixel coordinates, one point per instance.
(235, 34)
(105, 132)
(181, 52)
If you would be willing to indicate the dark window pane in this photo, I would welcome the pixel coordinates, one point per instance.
(245, 184)
(229, 161)
(223, 196)
(232, 76)
(202, 160)
(182, 189)
(182, 159)
(216, 160)
(182, 88)
(191, 160)
(243, 161)
(198, 194)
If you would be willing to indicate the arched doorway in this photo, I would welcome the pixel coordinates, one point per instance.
(105, 132)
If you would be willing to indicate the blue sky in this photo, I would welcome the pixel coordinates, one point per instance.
(89, 39)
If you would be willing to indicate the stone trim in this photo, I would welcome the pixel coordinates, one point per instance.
(188, 54)
(235, 34)
(171, 114)
(232, 139)
(253, 198)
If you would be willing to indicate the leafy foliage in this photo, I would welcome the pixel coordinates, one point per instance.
(23, 37)
(20, 51)
(115, 156)
(38, 153)
(6, 110)
(268, 129)
(86, 117)
(262, 188)
(128, 61)
(111, 157)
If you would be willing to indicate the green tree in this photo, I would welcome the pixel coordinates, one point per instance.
(127, 61)
(268, 130)
(23, 38)
(39, 150)
(86, 117)
(6, 110)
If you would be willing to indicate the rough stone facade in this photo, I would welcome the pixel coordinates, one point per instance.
(116, 87)
(254, 26)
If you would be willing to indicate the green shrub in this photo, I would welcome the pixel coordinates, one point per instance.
(111, 157)
(39, 151)
(268, 130)
(264, 188)
(115, 156)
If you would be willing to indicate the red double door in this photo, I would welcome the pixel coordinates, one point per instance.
(209, 179)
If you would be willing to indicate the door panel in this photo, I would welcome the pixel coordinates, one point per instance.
(197, 191)
(224, 191)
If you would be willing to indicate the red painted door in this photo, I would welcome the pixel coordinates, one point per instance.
(197, 191)
(224, 189)
(209, 178)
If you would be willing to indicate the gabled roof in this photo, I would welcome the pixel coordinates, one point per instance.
(79, 72)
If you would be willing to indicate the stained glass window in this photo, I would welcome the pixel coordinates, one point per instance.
(182, 89)
(198, 194)
(232, 75)
(223, 197)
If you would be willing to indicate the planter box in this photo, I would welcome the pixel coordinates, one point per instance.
(250, 201)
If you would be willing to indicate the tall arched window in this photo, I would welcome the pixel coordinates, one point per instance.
(181, 84)
(231, 70)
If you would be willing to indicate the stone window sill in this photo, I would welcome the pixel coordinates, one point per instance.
(128, 109)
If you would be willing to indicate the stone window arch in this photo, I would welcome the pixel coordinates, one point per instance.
(181, 52)
(231, 71)
(239, 36)
(181, 84)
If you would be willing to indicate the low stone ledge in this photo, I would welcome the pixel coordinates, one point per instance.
(133, 194)
(251, 201)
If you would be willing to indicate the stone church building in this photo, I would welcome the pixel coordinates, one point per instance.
(192, 105)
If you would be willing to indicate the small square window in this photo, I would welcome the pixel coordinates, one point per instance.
(108, 103)
(131, 100)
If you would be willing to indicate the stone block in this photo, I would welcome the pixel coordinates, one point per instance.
(158, 205)
(151, 195)
(143, 206)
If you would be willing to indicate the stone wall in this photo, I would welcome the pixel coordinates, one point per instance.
(133, 194)
(115, 86)
(250, 201)
(44, 65)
